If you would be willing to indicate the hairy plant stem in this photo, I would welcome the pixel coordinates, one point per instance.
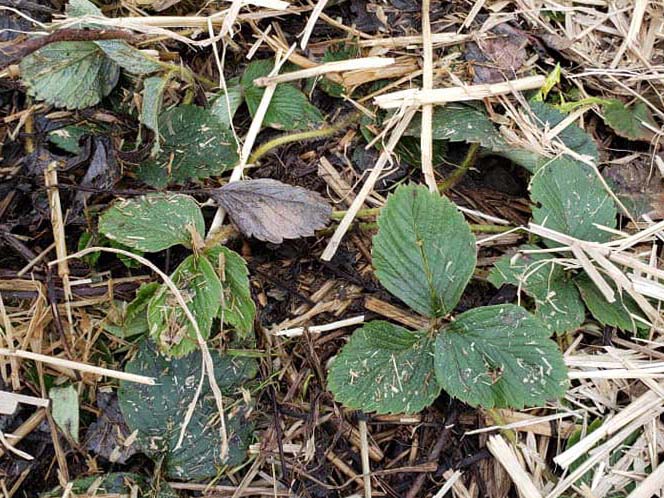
(326, 131)
(458, 173)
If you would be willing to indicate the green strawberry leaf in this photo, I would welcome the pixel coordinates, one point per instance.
(572, 201)
(556, 299)
(131, 319)
(158, 412)
(547, 117)
(219, 107)
(457, 122)
(616, 314)
(627, 121)
(385, 368)
(153, 96)
(114, 484)
(289, 108)
(195, 146)
(73, 75)
(237, 307)
(153, 222)
(124, 55)
(499, 356)
(202, 290)
(424, 252)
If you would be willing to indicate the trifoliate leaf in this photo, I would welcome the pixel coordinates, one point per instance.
(572, 201)
(220, 104)
(273, 211)
(617, 314)
(557, 301)
(195, 146)
(153, 222)
(158, 412)
(289, 108)
(64, 407)
(237, 307)
(385, 368)
(461, 123)
(627, 121)
(73, 75)
(114, 484)
(499, 356)
(424, 252)
(201, 289)
(153, 95)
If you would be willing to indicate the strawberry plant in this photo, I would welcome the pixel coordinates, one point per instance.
(495, 356)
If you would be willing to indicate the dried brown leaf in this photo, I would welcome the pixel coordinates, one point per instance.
(273, 211)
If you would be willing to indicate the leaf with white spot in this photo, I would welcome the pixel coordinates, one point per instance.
(157, 412)
(195, 146)
(153, 222)
(572, 200)
(499, 356)
(225, 105)
(458, 122)
(201, 289)
(289, 108)
(618, 314)
(385, 368)
(237, 307)
(557, 301)
(424, 252)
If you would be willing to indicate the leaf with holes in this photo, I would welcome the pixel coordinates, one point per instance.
(499, 356)
(157, 412)
(273, 211)
(618, 314)
(385, 368)
(73, 75)
(289, 108)
(195, 146)
(153, 222)
(201, 289)
(628, 121)
(237, 307)
(424, 252)
(557, 301)
(572, 201)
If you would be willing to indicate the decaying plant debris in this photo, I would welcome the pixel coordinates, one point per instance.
(320, 249)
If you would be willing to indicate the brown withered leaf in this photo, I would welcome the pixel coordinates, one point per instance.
(499, 56)
(106, 437)
(638, 184)
(273, 211)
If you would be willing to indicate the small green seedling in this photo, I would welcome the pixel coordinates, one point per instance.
(493, 356)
